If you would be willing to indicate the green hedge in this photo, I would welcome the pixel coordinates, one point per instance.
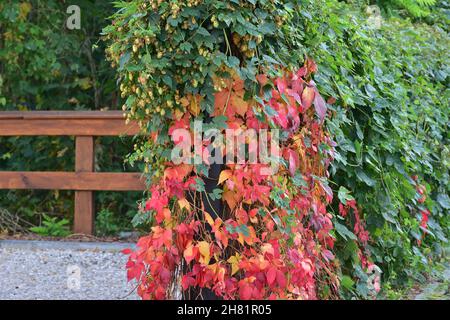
(45, 66)
(391, 123)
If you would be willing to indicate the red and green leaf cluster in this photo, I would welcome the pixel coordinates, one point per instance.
(277, 240)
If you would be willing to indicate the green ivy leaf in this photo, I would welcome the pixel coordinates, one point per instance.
(344, 195)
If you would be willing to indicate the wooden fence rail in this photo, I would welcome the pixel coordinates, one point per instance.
(84, 125)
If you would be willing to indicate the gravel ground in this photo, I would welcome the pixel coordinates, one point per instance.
(437, 289)
(53, 274)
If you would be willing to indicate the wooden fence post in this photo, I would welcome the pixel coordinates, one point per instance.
(84, 200)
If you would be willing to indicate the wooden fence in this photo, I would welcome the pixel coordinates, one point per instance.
(84, 125)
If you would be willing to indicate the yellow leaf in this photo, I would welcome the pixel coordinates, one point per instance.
(241, 239)
(234, 261)
(84, 83)
(24, 10)
(178, 114)
(184, 102)
(307, 97)
(204, 249)
(224, 175)
(194, 107)
(209, 219)
(267, 248)
(184, 204)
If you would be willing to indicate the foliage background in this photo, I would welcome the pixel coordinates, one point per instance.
(45, 66)
(391, 123)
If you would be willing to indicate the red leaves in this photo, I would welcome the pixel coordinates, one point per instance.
(245, 291)
(358, 227)
(187, 282)
(241, 216)
(134, 270)
(425, 216)
(311, 95)
(421, 191)
(320, 106)
(293, 159)
(271, 276)
(424, 213)
(190, 253)
(281, 84)
(161, 236)
(296, 93)
(258, 193)
(182, 123)
(278, 229)
(184, 235)
(127, 251)
(281, 279)
(157, 202)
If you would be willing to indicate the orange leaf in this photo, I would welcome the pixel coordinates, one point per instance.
(224, 175)
(204, 249)
(241, 216)
(178, 172)
(220, 100)
(209, 219)
(222, 237)
(230, 198)
(167, 214)
(240, 105)
(194, 107)
(189, 253)
(251, 239)
(308, 97)
(271, 275)
(239, 85)
(262, 79)
(240, 238)
(234, 261)
(184, 102)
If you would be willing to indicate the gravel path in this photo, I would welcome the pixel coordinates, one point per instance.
(437, 289)
(46, 273)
